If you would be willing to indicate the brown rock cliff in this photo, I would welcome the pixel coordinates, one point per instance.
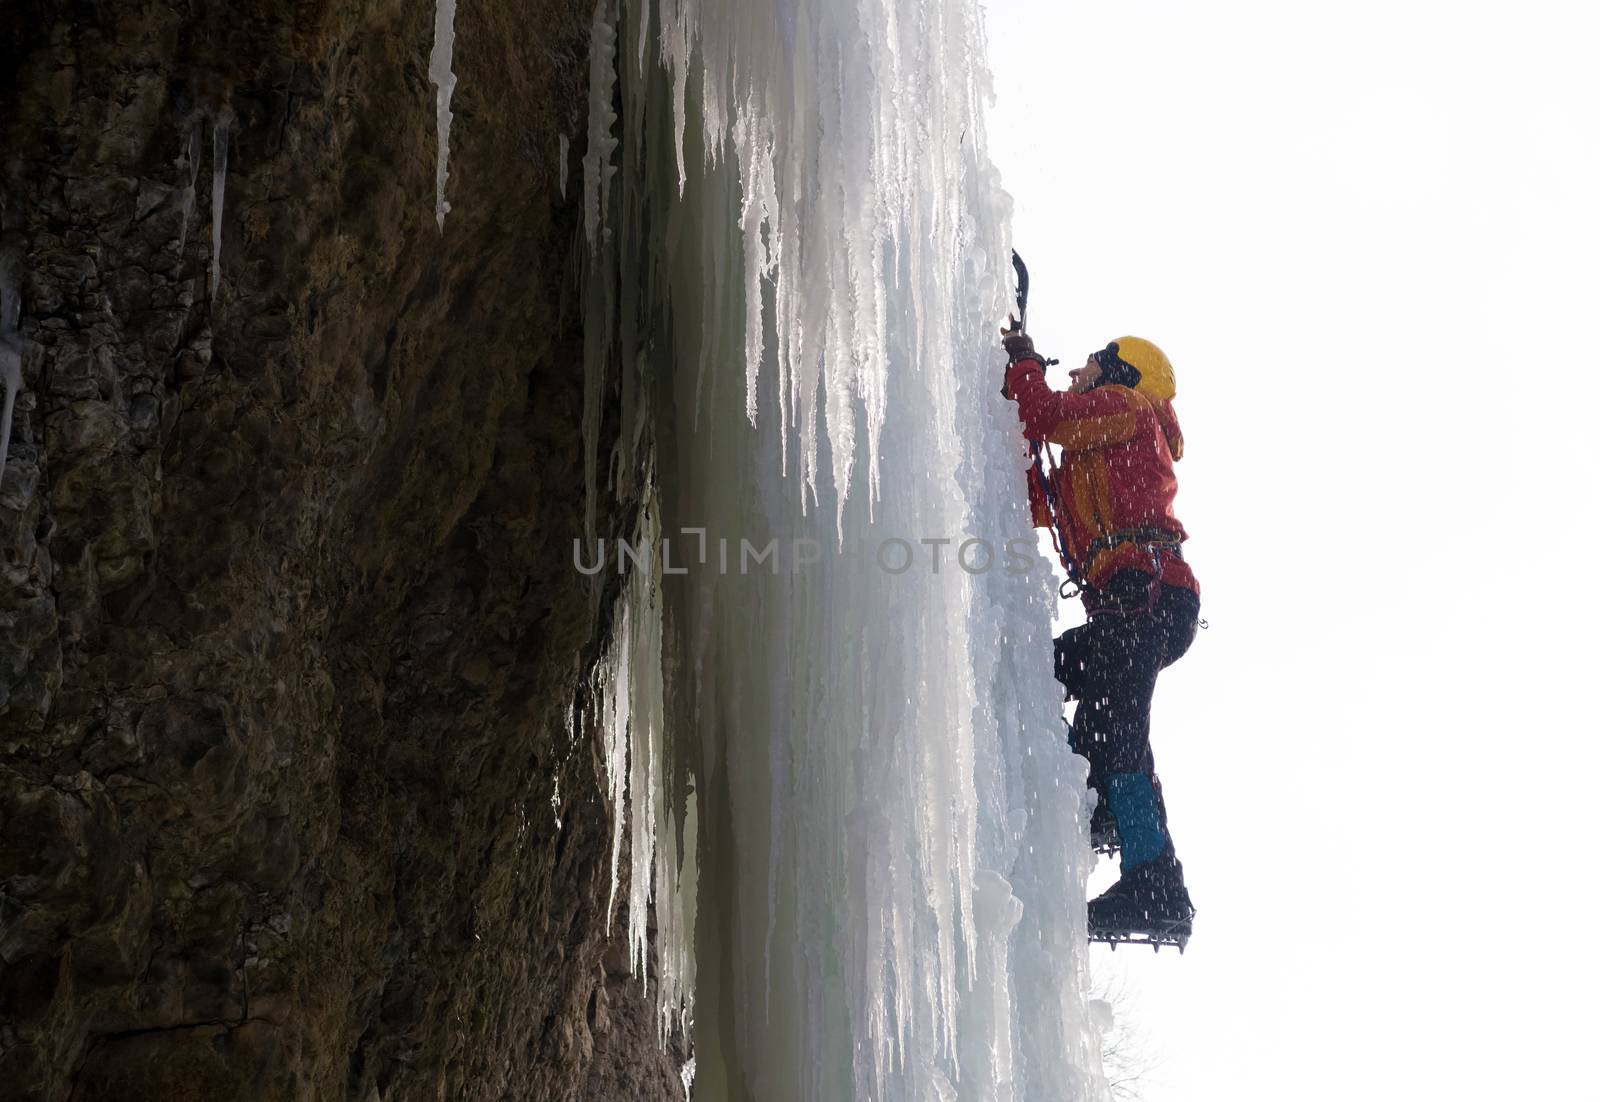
(290, 806)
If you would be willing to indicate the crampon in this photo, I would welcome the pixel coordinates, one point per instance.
(1172, 934)
(1148, 906)
(1103, 836)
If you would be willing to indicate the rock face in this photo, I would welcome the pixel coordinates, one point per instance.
(292, 800)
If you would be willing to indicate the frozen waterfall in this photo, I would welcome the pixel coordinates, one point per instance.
(852, 821)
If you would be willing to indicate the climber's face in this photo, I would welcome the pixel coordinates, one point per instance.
(1084, 378)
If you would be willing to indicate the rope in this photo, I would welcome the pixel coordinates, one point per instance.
(1058, 536)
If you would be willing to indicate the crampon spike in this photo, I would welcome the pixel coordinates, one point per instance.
(1175, 935)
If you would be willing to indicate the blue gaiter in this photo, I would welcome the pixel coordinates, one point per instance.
(1133, 804)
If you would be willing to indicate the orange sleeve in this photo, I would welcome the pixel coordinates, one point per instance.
(1077, 422)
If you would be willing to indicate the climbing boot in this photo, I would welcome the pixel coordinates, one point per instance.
(1148, 906)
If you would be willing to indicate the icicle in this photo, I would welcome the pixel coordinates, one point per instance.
(10, 343)
(190, 191)
(615, 691)
(442, 75)
(11, 376)
(219, 179)
(755, 176)
(597, 167)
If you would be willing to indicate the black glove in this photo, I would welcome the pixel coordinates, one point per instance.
(1018, 345)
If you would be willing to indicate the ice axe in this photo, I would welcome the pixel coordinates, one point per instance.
(1021, 318)
(1022, 291)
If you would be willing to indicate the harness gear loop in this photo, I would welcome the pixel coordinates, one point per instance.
(1150, 538)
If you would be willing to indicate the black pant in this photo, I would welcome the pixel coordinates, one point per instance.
(1109, 665)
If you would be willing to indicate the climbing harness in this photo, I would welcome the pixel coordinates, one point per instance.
(1156, 542)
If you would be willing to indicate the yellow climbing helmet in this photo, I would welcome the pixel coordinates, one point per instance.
(1156, 379)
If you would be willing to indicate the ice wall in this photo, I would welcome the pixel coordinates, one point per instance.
(866, 824)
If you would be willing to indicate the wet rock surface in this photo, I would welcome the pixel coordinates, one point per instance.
(293, 802)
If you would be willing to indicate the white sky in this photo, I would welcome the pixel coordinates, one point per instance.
(1367, 235)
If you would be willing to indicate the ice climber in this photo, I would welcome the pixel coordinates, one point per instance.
(1109, 508)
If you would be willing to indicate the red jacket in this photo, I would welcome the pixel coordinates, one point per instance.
(1116, 478)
